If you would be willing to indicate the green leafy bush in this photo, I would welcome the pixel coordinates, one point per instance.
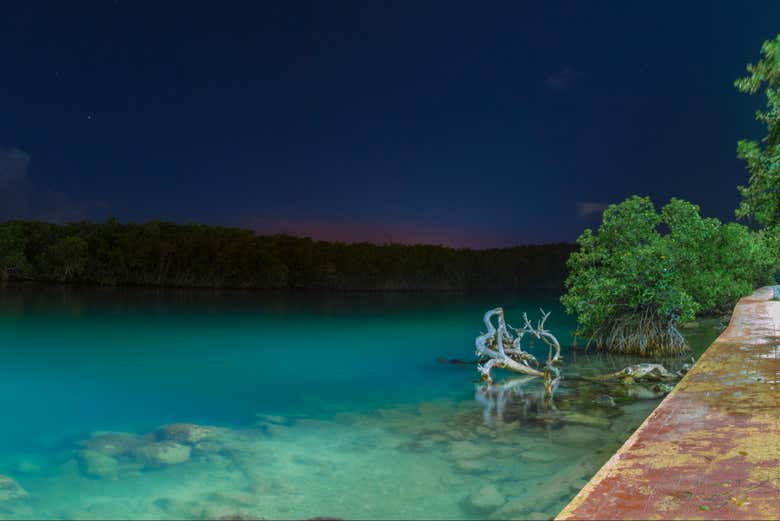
(631, 283)
(761, 197)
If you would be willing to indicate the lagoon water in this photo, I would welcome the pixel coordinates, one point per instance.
(309, 406)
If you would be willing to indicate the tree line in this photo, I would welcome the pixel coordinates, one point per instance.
(195, 255)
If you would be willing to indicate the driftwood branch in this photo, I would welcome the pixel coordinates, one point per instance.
(502, 348)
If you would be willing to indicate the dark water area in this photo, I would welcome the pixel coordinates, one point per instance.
(313, 404)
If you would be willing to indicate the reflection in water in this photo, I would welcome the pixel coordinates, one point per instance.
(497, 397)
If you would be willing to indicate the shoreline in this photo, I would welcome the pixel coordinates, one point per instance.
(709, 450)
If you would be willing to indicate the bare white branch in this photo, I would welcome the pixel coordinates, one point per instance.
(495, 345)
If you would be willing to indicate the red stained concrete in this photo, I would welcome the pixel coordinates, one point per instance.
(711, 450)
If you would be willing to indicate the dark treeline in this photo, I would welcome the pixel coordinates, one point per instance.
(193, 255)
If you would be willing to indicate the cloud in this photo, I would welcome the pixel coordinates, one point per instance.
(587, 209)
(562, 79)
(13, 166)
(20, 198)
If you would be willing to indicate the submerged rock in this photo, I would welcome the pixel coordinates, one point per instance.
(162, 453)
(467, 450)
(10, 490)
(472, 466)
(604, 400)
(97, 464)
(587, 420)
(110, 454)
(515, 509)
(113, 443)
(662, 388)
(486, 500)
(640, 392)
(646, 372)
(537, 456)
(187, 433)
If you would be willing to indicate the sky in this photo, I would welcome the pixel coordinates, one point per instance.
(470, 124)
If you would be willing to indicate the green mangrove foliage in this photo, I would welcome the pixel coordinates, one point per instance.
(761, 197)
(167, 254)
(643, 272)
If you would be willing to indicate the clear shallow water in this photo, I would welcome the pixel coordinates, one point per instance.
(316, 405)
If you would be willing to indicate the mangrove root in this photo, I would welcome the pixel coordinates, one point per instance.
(643, 332)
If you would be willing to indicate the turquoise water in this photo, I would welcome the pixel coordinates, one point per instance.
(312, 405)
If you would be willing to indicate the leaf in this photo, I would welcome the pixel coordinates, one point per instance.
(704, 507)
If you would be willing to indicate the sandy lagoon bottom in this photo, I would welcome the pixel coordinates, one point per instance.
(435, 460)
(209, 419)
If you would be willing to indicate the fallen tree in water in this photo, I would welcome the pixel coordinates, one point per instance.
(502, 347)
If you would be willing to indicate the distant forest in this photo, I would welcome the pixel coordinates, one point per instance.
(193, 255)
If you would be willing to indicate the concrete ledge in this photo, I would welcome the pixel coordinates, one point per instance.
(711, 449)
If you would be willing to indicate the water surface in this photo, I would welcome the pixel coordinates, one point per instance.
(315, 405)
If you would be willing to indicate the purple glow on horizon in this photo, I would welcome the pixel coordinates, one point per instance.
(383, 233)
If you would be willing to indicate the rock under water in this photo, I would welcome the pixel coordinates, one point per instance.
(10, 490)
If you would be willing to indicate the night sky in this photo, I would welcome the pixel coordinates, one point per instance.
(463, 123)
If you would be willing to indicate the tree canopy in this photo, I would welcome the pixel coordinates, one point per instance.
(644, 271)
(761, 197)
(631, 283)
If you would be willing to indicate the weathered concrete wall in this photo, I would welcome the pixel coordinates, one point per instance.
(711, 450)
